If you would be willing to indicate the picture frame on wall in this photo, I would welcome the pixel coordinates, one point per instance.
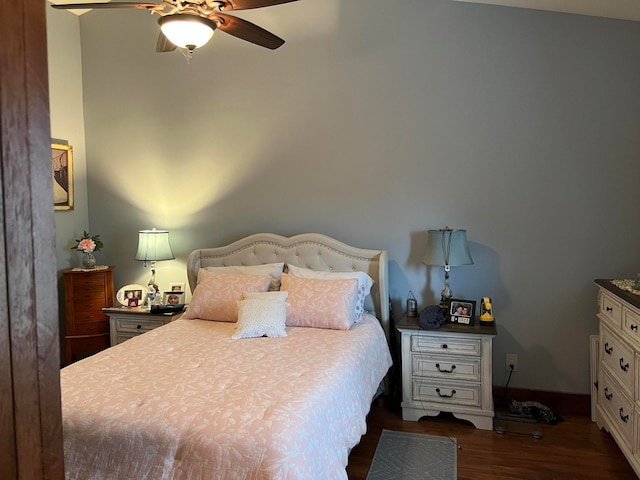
(62, 171)
(462, 311)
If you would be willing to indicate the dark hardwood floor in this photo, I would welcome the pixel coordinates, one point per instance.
(574, 449)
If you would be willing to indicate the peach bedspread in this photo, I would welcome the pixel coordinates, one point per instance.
(187, 401)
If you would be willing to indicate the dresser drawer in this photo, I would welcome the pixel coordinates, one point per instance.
(609, 309)
(631, 323)
(455, 368)
(617, 406)
(451, 393)
(89, 300)
(89, 280)
(446, 345)
(89, 323)
(133, 325)
(618, 358)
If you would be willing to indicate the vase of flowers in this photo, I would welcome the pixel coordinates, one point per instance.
(88, 244)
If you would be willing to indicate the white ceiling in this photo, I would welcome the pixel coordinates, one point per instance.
(622, 9)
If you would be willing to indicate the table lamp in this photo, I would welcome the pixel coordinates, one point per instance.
(153, 246)
(448, 248)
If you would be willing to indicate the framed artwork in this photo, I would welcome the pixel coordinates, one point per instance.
(62, 171)
(173, 298)
(176, 287)
(462, 311)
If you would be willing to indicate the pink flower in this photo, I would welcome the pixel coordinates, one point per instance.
(86, 245)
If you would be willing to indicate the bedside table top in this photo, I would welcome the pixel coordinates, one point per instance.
(411, 323)
(139, 311)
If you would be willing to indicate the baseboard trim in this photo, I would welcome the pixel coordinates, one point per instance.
(560, 403)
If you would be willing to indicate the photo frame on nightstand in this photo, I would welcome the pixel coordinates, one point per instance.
(462, 311)
(176, 287)
(173, 298)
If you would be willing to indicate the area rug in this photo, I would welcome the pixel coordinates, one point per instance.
(409, 456)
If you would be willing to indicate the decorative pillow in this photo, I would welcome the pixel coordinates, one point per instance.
(273, 269)
(261, 316)
(282, 296)
(320, 303)
(216, 295)
(365, 282)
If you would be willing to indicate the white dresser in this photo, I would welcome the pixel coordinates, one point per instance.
(447, 370)
(617, 396)
(125, 323)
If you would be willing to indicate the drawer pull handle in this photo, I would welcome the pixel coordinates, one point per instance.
(609, 309)
(607, 395)
(442, 395)
(138, 327)
(624, 418)
(444, 345)
(607, 348)
(624, 367)
(444, 370)
(634, 327)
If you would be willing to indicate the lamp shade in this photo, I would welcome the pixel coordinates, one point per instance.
(187, 31)
(447, 247)
(153, 245)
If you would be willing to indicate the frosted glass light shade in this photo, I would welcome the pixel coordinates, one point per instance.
(187, 31)
(153, 245)
(455, 241)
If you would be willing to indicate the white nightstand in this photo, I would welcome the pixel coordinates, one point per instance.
(447, 370)
(125, 323)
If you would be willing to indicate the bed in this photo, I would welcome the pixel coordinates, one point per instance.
(189, 401)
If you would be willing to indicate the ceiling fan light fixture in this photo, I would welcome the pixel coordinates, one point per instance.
(187, 31)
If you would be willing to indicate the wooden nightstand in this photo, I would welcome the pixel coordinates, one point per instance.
(126, 323)
(447, 370)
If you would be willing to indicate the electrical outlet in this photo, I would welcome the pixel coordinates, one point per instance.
(511, 359)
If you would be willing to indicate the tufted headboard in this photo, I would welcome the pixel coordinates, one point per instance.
(307, 250)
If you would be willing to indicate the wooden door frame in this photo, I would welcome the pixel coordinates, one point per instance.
(30, 413)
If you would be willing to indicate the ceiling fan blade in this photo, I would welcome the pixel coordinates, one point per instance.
(164, 44)
(249, 4)
(248, 31)
(75, 6)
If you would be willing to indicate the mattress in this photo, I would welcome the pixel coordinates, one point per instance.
(186, 401)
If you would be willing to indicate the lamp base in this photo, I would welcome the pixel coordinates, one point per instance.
(152, 281)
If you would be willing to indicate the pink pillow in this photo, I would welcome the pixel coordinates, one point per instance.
(320, 303)
(365, 282)
(216, 295)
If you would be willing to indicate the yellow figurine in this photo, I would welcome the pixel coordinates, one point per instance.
(486, 312)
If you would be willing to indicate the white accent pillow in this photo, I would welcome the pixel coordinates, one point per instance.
(261, 316)
(365, 282)
(272, 269)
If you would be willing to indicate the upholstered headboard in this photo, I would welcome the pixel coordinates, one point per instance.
(307, 250)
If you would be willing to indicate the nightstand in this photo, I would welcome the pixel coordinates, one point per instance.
(125, 323)
(447, 370)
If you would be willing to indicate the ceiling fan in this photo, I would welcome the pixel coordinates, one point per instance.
(190, 24)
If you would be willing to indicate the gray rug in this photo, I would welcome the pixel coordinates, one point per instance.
(414, 456)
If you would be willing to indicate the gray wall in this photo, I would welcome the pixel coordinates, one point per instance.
(375, 122)
(67, 124)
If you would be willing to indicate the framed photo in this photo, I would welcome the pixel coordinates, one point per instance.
(133, 295)
(173, 298)
(462, 311)
(176, 287)
(62, 171)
